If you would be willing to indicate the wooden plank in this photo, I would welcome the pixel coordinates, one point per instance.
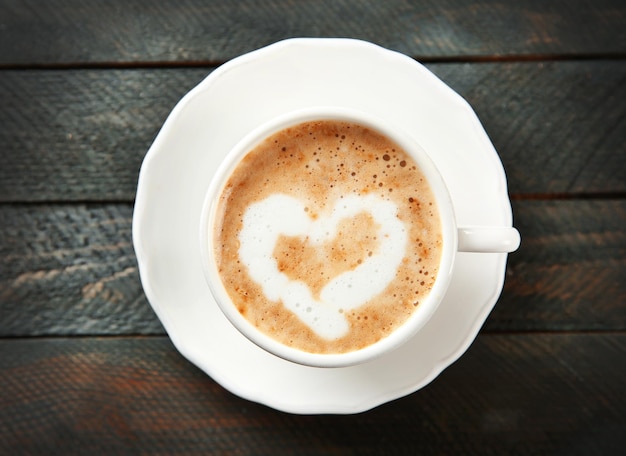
(81, 135)
(71, 269)
(560, 128)
(569, 270)
(76, 32)
(509, 394)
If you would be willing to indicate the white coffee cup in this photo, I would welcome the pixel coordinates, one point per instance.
(479, 239)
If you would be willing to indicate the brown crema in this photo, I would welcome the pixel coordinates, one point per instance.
(319, 162)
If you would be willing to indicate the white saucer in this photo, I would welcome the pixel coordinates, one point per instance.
(250, 90)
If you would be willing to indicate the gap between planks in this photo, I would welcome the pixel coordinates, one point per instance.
(482, 333)
(165, 64)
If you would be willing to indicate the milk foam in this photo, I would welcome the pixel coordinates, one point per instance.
(333, 211)
(280, 214)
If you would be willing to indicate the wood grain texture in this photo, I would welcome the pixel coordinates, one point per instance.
(74, 31)
(71, 269)
(81, 135)
(509, 394)
(569, 270)
(559, 127)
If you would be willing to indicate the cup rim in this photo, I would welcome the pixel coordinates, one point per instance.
(448, 228)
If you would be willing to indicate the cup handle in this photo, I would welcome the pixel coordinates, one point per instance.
(488, 239)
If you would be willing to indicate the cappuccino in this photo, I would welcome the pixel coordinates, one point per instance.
(327, 236)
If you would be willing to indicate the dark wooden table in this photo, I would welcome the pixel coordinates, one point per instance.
(85, 365)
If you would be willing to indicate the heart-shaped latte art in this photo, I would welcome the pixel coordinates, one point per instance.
(279, 214)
